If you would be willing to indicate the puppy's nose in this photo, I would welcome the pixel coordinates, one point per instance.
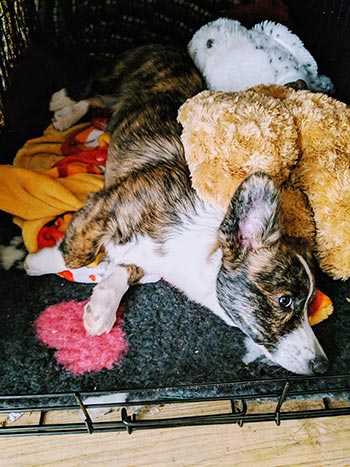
(319, 365)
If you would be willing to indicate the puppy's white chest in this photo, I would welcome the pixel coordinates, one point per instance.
(187, 259)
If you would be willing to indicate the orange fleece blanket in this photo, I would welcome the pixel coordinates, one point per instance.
(49, 180)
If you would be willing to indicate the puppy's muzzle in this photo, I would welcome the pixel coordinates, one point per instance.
(319, 365)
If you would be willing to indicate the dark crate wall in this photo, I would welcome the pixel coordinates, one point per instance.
(100, 28)
(71, 38)
(324, 26)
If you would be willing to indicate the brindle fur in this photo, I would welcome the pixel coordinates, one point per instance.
(144, 91)
(145, 158)
(148, 194)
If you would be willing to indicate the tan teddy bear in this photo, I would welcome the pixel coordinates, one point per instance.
(300, 138)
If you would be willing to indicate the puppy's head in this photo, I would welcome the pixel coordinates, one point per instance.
(265, 282)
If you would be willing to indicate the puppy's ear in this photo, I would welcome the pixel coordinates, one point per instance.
(86, 232)
(252, 220)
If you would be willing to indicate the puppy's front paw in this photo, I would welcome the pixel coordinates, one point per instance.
(100, 312)
(59, 100)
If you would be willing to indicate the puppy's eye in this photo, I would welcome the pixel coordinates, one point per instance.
(286, 302)
(210, 43)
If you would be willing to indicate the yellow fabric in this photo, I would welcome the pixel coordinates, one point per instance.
(28, 192)
(41, 153)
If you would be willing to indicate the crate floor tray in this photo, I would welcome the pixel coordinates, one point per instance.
(176, 350)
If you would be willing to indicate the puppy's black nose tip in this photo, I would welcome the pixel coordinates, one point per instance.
(319, 365)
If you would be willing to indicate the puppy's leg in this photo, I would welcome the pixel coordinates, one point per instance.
(100, 312)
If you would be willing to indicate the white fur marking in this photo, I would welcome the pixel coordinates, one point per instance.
(186, 259)
(298, 349)
(311, 280)
(253, 351)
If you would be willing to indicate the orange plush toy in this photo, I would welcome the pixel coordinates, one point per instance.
(320, 308)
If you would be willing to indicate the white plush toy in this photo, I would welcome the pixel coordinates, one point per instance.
(234, 58)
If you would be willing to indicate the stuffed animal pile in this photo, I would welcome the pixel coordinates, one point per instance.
(300, 138)
(233, 58)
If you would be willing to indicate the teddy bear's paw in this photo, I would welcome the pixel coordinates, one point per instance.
(322, 84)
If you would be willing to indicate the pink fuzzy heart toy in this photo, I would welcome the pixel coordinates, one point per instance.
(61, 327)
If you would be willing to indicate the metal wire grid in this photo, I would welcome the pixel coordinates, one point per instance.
(239, 413)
